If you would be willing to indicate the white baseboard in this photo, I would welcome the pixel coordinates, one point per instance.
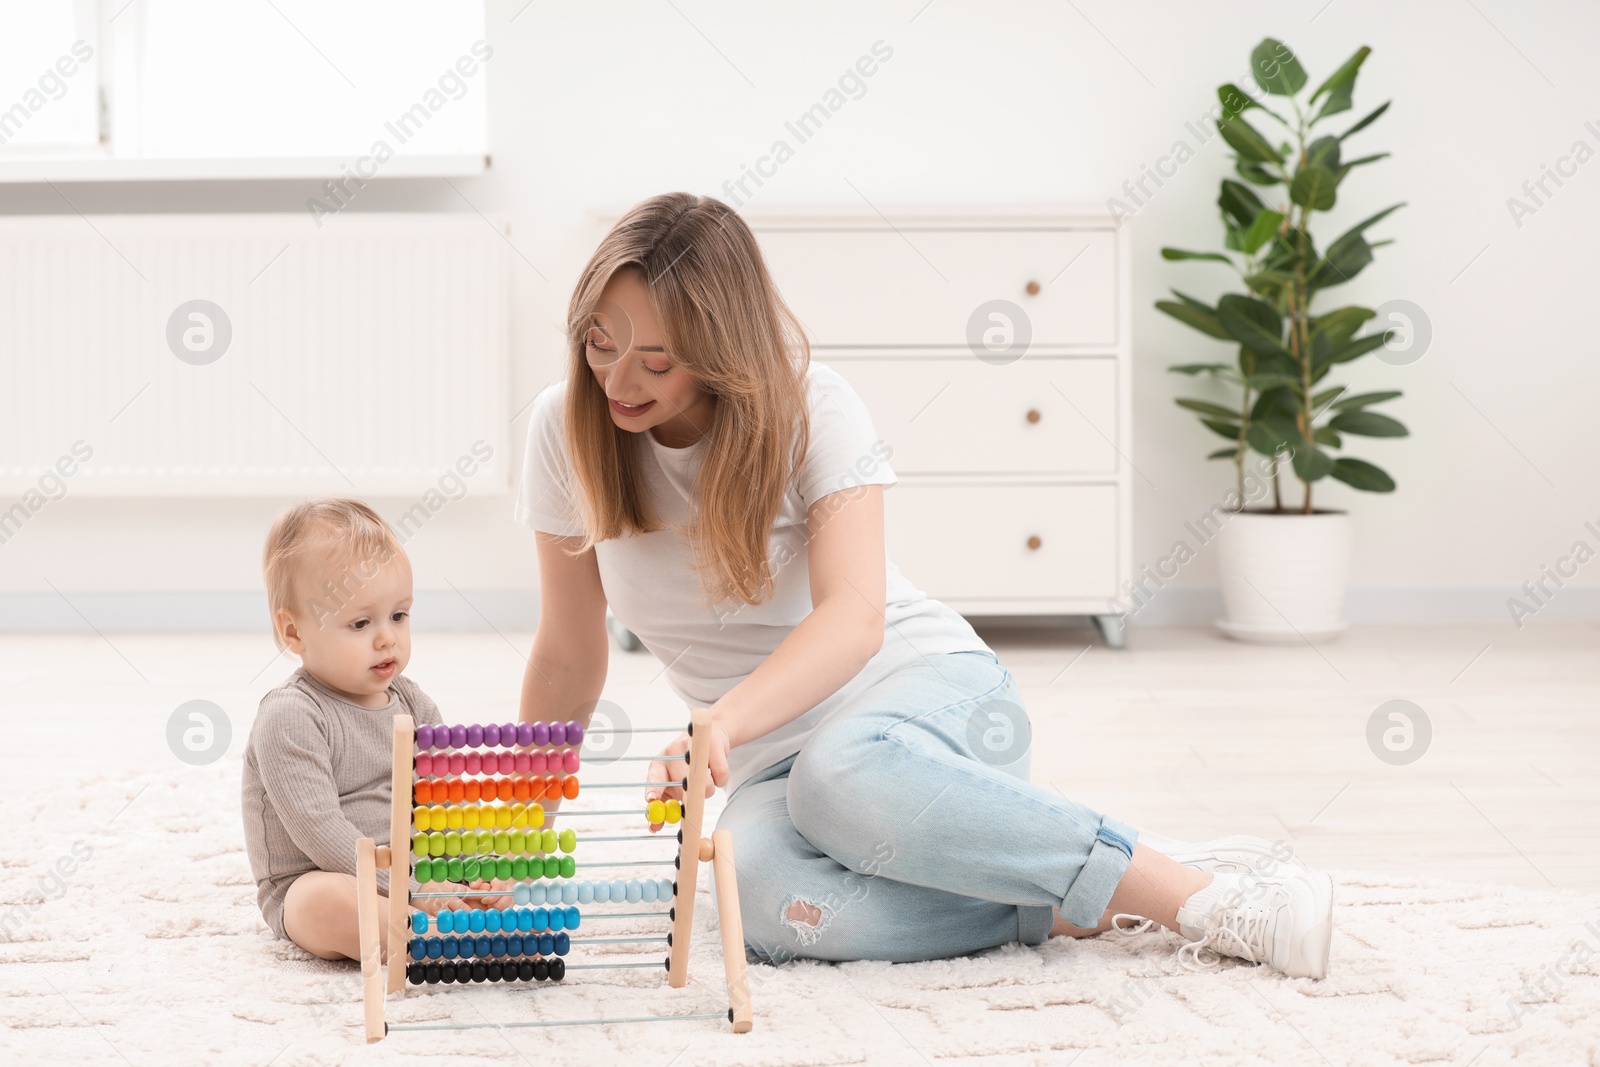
(518, 609)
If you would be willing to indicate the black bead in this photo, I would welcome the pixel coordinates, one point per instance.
(447, 972)
(669, 940)
(672, 914)
(479, 972)
(730, 1015)
(686, 787)
(558, 969)
(494, 971)
(414, 973)
(666, 964)
(541, 970)
(431, 973)
(675, 863)
(525, 970)
(674, 888)
(680, 837)
(691, 729)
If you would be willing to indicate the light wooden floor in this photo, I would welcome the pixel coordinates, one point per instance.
(1183, 732)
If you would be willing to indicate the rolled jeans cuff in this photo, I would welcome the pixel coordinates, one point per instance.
(1108, 859)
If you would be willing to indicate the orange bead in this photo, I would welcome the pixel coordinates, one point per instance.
(470, 790)
(505, 790)
(456, 791)
(423, 792)
(569, 788)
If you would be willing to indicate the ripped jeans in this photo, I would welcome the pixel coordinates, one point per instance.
(906, 828)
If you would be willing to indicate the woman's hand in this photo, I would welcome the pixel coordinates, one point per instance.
(675, 770)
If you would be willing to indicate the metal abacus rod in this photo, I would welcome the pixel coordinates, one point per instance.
(692, 849)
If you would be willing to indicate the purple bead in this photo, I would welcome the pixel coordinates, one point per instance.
(474, 736)
(508, 733)
(574, 733)
(491, 735)
(524, 733)
(558, 733)
(425, 736)
(541, 734)
(458, 736)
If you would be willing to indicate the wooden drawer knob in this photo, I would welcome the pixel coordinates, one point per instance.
(1033, 288)
(1034, 542)
(1033, 414)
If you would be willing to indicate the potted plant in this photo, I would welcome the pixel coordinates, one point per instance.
(1284, 567)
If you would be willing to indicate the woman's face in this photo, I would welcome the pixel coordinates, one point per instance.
(645, 388)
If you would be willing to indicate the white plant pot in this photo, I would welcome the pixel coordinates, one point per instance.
(1284, 576)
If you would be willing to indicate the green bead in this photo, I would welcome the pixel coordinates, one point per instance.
(569, 866)
(502, 842)
(472, 868)
(503, 867)
(519, 868)
(569, 840)
(436, 843)
(452, 844)
(423, 870)
(456, 869)
(518, 840)
(552, 867)
(419, 844)
(547, 841)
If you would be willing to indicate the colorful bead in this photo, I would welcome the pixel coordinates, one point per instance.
(572, 918)
(574, 733)
(558, 918)
(541, 734)
(655, 813)
(569, 866)
(424, 765)
(475, 736)
(558, 733)
(491, 735)
(472, 763)
(569, 788)
(425, 736)
(568, 840)
(458, 736)
(562, 944)
(508, 734)
(417, 948)
(569, 761)
(419, 922)
(674, 811)
(524, 734)
(649, 891)
(519, 894)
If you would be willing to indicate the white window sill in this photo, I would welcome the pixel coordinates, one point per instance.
(17, 169)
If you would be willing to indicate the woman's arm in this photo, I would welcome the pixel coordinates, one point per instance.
(567, 668)
(843, 631)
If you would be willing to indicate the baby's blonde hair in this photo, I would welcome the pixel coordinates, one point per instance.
(315, 533)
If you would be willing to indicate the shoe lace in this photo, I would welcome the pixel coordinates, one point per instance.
(1231, 929)
(1143, 923)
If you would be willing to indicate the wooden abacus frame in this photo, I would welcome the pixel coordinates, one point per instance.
(692, 849)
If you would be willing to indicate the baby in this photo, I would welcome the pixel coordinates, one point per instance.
(317, 769)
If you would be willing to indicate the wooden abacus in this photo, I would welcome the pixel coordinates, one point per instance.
(436, 797)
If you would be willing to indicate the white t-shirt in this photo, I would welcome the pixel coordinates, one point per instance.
(653, 588)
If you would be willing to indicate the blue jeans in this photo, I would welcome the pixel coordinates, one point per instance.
(908, 826)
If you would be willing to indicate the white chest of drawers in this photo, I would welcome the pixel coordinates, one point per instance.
(993, 352)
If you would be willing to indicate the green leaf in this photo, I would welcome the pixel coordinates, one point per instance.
(1359, 474)
(1314, 187)
(1248, 142)
(1225, 453)
(1262, 382)
(1340, 324)
(1261, 231)
(1265, 440)
(1349, 254)
(1239, 203)
(1200, 368)
(1201, 318)
(1324, 152)
(1325, 435)
(1236, 101)
(1339, 85)
(1319, 401)
(1229, 430)
(1178, 253)
(1360, 347)
(1256, 174)
(1253, 323)
(1362, 162)
(1275, 67)
(1364, 123)
(1367, 424)
(1277, 410)
(1361, 400)
(1312, 464)
(1191, 301)
(1205, 407)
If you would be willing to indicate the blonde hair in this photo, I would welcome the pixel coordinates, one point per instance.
(313, 532)
(723, 322)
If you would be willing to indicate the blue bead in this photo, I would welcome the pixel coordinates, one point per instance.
(450, 948)
(569, 893)
(563, 944)
(602, 892)
(666, 892)
(491, 920)
(497, 947)
(635, 892)
(536, 894)
(419, 922)
(418, 948)
(519, 893)
(541, 919)
(467, 949)
(525, 920)
(572, 918)
(547, 944)
(558, 918)
(435, 948)
(649, 890)
(585, 892)
(513, 945)
(619, 891)
(482, 946)
(475, 921)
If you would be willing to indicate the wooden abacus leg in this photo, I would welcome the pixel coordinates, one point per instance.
(367, 931)
(694, 804)
(727, 877)
(405, 739)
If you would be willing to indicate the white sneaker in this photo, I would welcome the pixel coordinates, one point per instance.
(1284, 921)
(1234, 854)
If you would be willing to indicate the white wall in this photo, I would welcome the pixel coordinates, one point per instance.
(1012, 102)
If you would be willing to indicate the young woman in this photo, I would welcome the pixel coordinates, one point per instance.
(724, 495)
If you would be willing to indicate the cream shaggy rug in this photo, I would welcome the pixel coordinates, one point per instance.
(149, 950)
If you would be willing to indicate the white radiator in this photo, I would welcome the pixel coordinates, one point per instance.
(367, 356)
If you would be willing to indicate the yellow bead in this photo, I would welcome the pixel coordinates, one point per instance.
(485, 842)
(452, 844)
(569, 840)
(547, 842)
(419, 844)
(519, 842)
(452, 818)
(469, 817)
(674, 811)
(536, 816)
(502, 818)
(519, 816)
(420, 819)
(656, 812)
(436, 844)
(437, 816)
(502, 842)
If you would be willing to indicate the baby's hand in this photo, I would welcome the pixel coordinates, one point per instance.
(491, 902)
(434, 905)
